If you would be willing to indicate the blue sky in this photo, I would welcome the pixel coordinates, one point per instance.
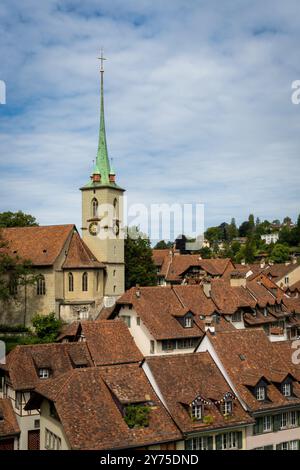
(198, 104)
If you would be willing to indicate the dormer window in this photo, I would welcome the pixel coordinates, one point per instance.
(265, 312)
(260, 393)
(287, 389)
(226, 407)
(44, 373)
(197, 411)
(237, 316)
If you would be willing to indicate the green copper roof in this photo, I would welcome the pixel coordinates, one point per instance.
(102, 165)
(102, 161)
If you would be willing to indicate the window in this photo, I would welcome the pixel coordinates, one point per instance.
(41, 286)
(84, 315)
(13, 287)
(286, 390)
(52, 411)
(226, 407)
(114, 273)
(199, 443)
(115, 209)
(188, 322)
(236, 317)
(289, 445)
(267, 424)
(85, 282)
(265, 312)
(168, 345)
(36, 423)
(260, 393)
(293, 418)
(52, 442)
(127, 320)
(283, 420)
(18, 402)
(115, 288)
(44, 373)
(197, 411)
(94, 207)
(138, 321)
(286, 280)
(71, 282)
(152, 347)
(229, 440)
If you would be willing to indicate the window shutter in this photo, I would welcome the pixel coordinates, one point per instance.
(278, 446)
(210, 443)
(276, 423)
(261, 425)
(298, 416)
(255, 427)
(188, 444)
(219, 442)
(240, 439)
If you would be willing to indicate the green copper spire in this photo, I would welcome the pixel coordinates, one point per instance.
(102, 161)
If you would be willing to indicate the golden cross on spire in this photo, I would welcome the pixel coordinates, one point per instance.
(102, 58)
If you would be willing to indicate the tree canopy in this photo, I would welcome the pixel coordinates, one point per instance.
(17, 219)
(139, 266)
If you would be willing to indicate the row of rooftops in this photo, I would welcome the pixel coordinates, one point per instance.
(160, 308)
(91, 400)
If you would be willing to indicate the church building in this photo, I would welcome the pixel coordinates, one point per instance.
(74, 277)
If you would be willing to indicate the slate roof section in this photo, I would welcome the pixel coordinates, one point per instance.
(40, 245)
(90, 403)
(23, 362)
(183, 377)
(247, 356)
(8, 422)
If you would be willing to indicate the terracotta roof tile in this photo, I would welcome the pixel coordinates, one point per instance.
(23, 362)
(183, 377)
(41, 245)
(247, 356)
(89, 404)
(80, 256)
(8, 422)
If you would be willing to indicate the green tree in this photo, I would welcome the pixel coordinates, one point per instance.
(280, 253)
(139, 266)
(250, 250)
(232, 230)
(162, 245)
(47, 327)
(17, 219)
(205, 252)
(213, 234)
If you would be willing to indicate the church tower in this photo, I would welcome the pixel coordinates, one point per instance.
(102, 214)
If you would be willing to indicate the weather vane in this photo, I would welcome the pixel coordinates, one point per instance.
(102, 58)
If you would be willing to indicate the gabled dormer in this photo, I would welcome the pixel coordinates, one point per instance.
(185, 318)
(260, 390)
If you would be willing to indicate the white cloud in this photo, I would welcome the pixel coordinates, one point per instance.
(197, 104)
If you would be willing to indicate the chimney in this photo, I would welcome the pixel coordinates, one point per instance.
(138, 291)
(209, 326)
(237, 279)
(294, 260)
(206, 284)
(262, 263)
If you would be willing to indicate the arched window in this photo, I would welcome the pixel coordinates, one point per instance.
(71, 282)
(41, 285)
(85, 282)
(94, 207)
(115, 209)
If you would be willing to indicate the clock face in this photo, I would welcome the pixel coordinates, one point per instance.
(93, 228)
(116, 228)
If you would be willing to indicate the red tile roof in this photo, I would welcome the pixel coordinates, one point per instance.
(23, 362)
(108, 341)
(89, 403)
(8, 422)
(183, 377)
(41, 245)
(80, 256)
(158, 307)
(248, 355)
